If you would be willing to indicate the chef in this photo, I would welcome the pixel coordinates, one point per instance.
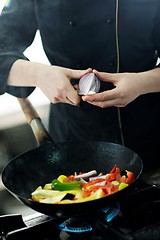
(117, 40)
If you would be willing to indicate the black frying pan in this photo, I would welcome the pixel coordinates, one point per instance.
(39, 166)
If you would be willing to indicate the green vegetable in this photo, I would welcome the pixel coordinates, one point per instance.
(57, 185)
(122, 185)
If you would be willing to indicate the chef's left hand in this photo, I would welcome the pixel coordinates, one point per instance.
(127, 88)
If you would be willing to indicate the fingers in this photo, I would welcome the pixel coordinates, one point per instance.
(72, 97)
(76, 74)
(109, 103)
(100, 104)
(101, 97)
(67, 95)
(65, 100)
(65, 92)
(106, 77)
(105, 99)
(109, 98)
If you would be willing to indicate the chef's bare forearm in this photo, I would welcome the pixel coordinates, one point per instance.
(25, 73)
(54, 81)
(150, 81)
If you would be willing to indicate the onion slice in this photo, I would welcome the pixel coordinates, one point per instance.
(98, 177)
(85, 175)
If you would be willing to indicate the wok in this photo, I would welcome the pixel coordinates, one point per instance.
(23, 174)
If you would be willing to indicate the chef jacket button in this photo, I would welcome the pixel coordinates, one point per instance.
(71, 23)
(109, 20)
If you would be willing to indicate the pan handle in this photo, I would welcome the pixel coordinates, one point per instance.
(34, 121)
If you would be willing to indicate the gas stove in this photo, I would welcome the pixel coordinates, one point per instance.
(136, 217)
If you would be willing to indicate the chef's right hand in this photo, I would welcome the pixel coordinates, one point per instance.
(55, 84)
(53, 81)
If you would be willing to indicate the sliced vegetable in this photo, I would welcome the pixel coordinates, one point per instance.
(51, 196)
(62, 178)
(93, 184)
(128, 178)
(48, 186)
(54, 199)
(85, 175)
(83, 187)
(98, 194)
(60, 197)
(40, 193)
(116, 183)
(57, 185)
(122, 185)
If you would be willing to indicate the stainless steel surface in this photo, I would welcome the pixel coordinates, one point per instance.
(152, 177)
(10, 205)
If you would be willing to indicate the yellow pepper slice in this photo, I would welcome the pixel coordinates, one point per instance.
(122, 185)
(61, 178)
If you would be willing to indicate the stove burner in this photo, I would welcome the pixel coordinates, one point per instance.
(78, 225)
(75, 225)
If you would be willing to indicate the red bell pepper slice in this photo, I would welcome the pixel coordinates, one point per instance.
(129, 178)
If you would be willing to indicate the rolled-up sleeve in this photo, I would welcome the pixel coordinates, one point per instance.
(17, 31)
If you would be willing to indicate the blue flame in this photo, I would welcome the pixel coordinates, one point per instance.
(111, 212)
(69, 226)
